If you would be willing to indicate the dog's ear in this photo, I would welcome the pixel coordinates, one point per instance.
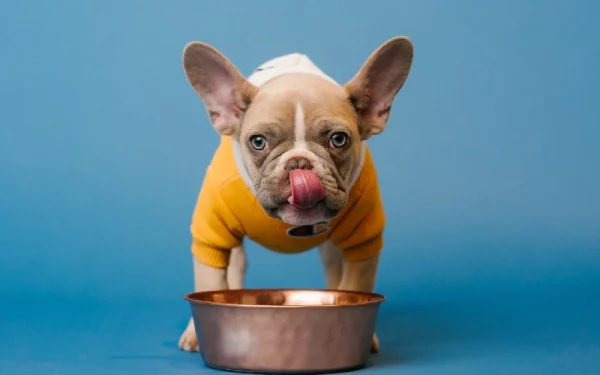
(224, 90)
(374, 87)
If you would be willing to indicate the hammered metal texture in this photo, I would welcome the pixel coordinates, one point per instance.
(284, 330)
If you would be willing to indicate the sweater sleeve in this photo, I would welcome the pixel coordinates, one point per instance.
(359, 234)
(215, 230)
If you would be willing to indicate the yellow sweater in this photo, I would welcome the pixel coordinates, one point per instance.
(227, 211)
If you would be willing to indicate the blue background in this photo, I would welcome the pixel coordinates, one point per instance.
(489, 172)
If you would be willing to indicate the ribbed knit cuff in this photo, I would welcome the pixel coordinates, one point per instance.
(216, 258)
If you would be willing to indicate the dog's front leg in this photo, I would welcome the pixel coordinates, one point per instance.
(205, 278)
(331, 259)
(209, 278)
(361, 276)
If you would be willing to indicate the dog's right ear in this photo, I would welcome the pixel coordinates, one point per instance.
(224, 90)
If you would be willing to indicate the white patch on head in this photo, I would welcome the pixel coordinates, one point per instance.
(299, 128)
(290, 63)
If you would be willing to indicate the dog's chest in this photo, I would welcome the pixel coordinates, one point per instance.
(280, 237)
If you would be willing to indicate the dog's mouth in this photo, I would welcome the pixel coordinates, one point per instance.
(302, 199)
(306, 189)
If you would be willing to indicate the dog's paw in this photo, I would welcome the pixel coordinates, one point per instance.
(188, 340)
(375, 344)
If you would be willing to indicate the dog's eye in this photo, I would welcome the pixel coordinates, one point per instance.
(338, 140)
(258, 142)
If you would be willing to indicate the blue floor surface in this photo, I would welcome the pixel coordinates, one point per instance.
(531, 332)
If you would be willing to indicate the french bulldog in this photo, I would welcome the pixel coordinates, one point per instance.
(293, 171)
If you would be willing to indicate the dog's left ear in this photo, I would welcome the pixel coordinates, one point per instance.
(374, 87)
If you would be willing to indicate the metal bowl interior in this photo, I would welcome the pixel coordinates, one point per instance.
(256, 298)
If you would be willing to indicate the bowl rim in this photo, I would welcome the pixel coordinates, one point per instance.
(379, 298)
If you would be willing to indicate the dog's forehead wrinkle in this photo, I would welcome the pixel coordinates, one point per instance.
(292, 98)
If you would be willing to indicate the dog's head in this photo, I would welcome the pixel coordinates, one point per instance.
(300, 134)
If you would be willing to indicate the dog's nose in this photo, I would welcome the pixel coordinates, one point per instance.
(297, 163)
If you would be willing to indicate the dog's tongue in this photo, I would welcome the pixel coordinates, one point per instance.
(307, 190)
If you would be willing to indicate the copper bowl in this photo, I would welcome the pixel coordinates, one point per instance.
(284, 330)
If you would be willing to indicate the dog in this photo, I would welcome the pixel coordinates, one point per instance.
(293, 171)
